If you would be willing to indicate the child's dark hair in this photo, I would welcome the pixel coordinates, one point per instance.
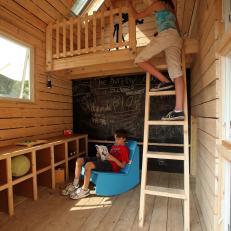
(169, 2)
(121, 133)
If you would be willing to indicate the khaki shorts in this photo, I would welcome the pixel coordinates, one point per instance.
(170, 42)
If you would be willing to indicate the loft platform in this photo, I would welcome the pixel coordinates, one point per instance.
(88, 47)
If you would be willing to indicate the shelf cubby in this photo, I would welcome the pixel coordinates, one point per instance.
(82, 146)
(24, 188)
(71, 148)
(3, 172)
(43, 158)
(60, 174)
(59, 153)
(26, 175)
(45, 179)
(4, 201)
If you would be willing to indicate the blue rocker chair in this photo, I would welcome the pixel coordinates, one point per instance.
(110, 183)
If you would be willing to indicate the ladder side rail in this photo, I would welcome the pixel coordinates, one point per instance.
(145, 149)
(186, 151)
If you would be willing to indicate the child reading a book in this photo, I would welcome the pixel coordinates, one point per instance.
(117, 158)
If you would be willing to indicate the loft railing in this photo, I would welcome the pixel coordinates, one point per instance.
(90, 34)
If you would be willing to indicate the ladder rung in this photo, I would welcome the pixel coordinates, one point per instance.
(166, 155)
(161, 93)
(163, 122)
(165, 192)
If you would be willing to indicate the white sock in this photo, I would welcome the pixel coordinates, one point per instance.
(177, 110)
(76, 182)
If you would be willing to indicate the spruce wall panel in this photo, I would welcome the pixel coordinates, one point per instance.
(205, 98)
(51, 111)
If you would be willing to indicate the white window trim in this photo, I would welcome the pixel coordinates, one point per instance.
(32, 76)
(226, 12)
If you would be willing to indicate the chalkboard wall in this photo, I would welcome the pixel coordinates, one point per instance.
(102, 105)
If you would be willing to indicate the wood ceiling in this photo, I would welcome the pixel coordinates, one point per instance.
(40, 12)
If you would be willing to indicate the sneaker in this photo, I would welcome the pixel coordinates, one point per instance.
(69, 189)
(79, 193)
(163, 86)
(172, 115)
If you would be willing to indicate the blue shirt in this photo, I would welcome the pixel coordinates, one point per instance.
(165, 19)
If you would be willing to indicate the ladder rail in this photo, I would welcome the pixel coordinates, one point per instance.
(145, 149)
(186, 151)
(158, 191)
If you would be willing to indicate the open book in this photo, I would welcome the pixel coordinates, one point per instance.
(102, 151)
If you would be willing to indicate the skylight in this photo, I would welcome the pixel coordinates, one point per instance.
(79, 6)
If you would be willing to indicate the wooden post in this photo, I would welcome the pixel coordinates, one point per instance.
(57, 39)
(120, 27)
(66, 161)
(71, 36)
(94, 32)
(111, 26)
(52, 167)
(64, 38)
(86, 32)
(49, 47)
(78, 35)
(10, 187)
(132, 31)
(35, 187)
(102, 30)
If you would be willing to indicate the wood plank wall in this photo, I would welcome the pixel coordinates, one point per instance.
(52, 110)
(205, 108)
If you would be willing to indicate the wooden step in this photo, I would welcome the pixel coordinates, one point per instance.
(163, 122)
(166, 155)
(165, 192)
(161, 93)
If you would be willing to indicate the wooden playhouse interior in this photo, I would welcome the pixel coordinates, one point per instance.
(68, 48)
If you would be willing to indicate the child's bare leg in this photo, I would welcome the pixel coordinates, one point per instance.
(153, 71)
(179, 87)
(78, 167)
(88, 168)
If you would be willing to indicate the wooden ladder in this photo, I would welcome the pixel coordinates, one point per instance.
(162, 191)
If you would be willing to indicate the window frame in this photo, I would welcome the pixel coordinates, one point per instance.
(226, 12)
(31, 64)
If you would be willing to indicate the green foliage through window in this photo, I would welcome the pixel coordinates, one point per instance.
(15, 70)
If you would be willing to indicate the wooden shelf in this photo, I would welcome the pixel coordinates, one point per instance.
(43, 170)
(44, 159)
(73, 157)
(60, 163)
(20, 179)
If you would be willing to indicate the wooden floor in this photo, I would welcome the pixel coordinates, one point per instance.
(54, 212)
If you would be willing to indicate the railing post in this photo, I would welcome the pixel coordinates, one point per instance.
(94, 32)
(71, 36)
(64, 38)
(132, 31)
(49, 47)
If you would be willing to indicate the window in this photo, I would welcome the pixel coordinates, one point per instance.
(227, 13)
(79, 6)
(227, 108)
(86, 6)
(16, 78)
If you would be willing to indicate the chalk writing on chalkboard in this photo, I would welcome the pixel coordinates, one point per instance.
(102, 105)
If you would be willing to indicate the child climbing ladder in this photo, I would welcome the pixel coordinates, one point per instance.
(166, 39)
